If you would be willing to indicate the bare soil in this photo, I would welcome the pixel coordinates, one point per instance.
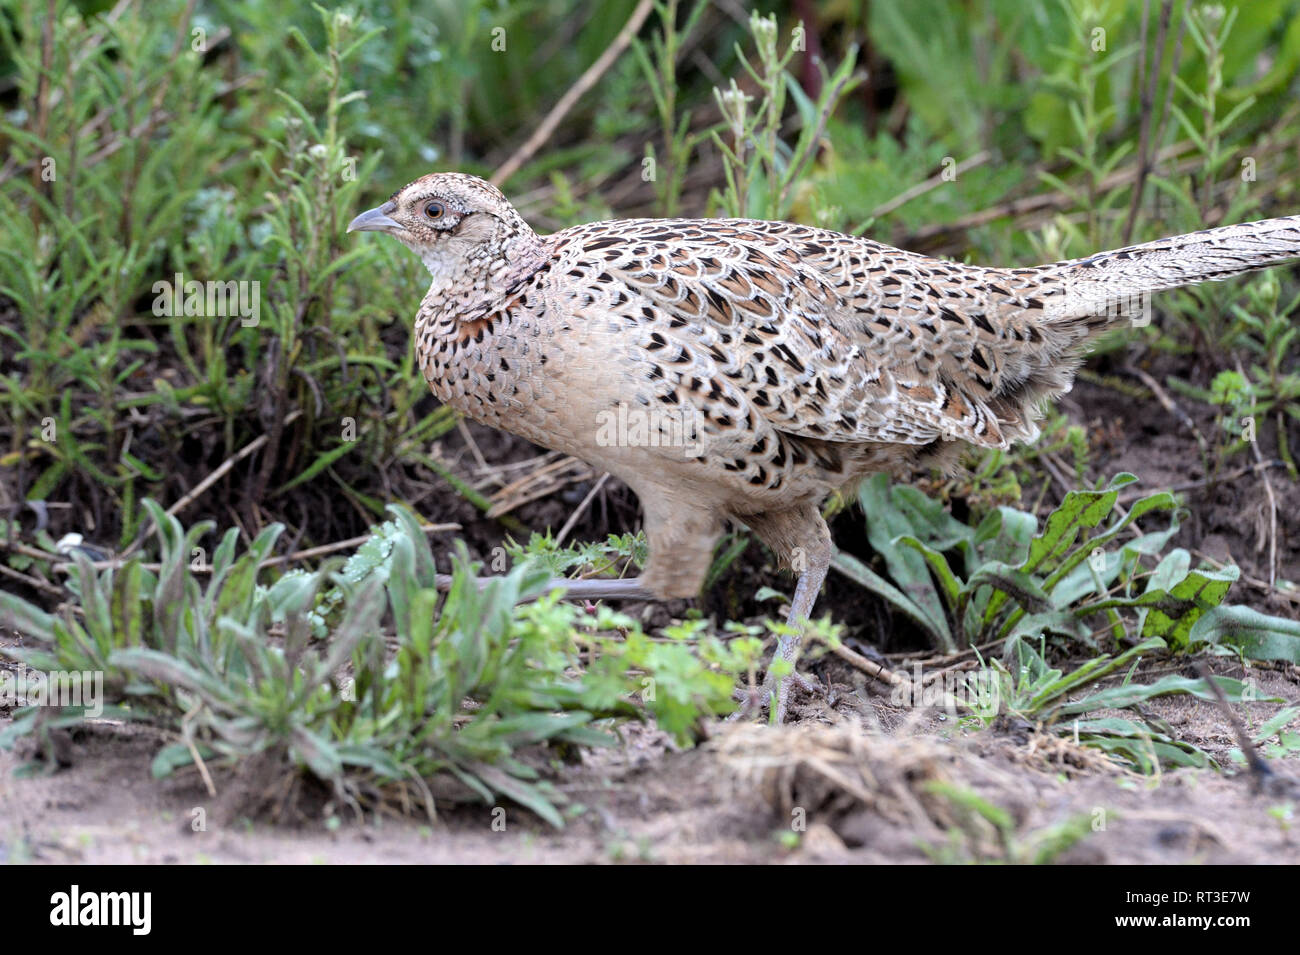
(855, 779)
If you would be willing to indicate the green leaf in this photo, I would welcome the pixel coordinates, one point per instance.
(1257, 635)
(174, 756)
(893, 512)
(861, 574)
(170, 671)
(319, 754)
(235, 598)
(1275, 725)
(534, 797)
(26, 618)
(1015, 583)
(1005, 536)
(128, 605)
(1121, 696)
(1080, 509)
(1146, 749)
(323, 460)
(950, 586)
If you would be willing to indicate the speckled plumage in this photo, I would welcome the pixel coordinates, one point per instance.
(797, 360)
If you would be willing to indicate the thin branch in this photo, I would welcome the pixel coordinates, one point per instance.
(578, 511)
(206, 483)
(585, 82)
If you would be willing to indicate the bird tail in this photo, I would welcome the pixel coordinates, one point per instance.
(1082, 298)
(1115, 284)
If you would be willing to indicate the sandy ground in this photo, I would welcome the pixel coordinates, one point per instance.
(854, 780)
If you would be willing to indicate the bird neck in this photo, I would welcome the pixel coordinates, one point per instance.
(467, 287)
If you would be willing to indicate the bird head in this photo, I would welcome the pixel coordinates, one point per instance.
(456, 224)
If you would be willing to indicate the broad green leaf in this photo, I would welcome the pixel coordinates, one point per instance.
(1004, 535)
(861, 574)
(889, 516)
(26, 618)
(1257, 635)
(1121, 696)
(949, 585)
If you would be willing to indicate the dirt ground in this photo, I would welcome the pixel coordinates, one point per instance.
(855, 779)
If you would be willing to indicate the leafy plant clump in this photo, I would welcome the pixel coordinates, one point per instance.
(1076, 580)
(407, 689)
(1073, 705)
(1074, 584)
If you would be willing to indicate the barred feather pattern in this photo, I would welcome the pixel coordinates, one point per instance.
(803, 358)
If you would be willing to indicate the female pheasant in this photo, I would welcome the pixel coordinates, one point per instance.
(731, 369)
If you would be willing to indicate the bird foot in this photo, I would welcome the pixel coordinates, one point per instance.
(596, 588)
(755, 702)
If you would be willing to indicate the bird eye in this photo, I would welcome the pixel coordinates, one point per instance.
(435, 210)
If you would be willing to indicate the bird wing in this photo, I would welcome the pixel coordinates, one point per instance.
(829, 336)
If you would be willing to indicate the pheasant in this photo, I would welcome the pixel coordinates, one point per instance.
(741, 370)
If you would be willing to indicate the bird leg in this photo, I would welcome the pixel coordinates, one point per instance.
(811, 559)
(595, 588)
(788, 646)
(787, 649)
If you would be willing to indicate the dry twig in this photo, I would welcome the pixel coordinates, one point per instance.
(585, 82)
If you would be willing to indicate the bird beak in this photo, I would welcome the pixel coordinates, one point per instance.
(375, 220)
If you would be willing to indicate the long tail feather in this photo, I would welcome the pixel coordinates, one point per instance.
(1108, 282)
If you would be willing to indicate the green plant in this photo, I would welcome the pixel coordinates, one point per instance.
(1268, 389)
(761, 169)
(986, 833)
(1081, 80)
(1216, 189)
(995, 476)
(1013, 582)
(1027, 587)
(1061, 702)
(659, 65)
(103, 378)
(1279, 726)
(619, 554)
(232, 670)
